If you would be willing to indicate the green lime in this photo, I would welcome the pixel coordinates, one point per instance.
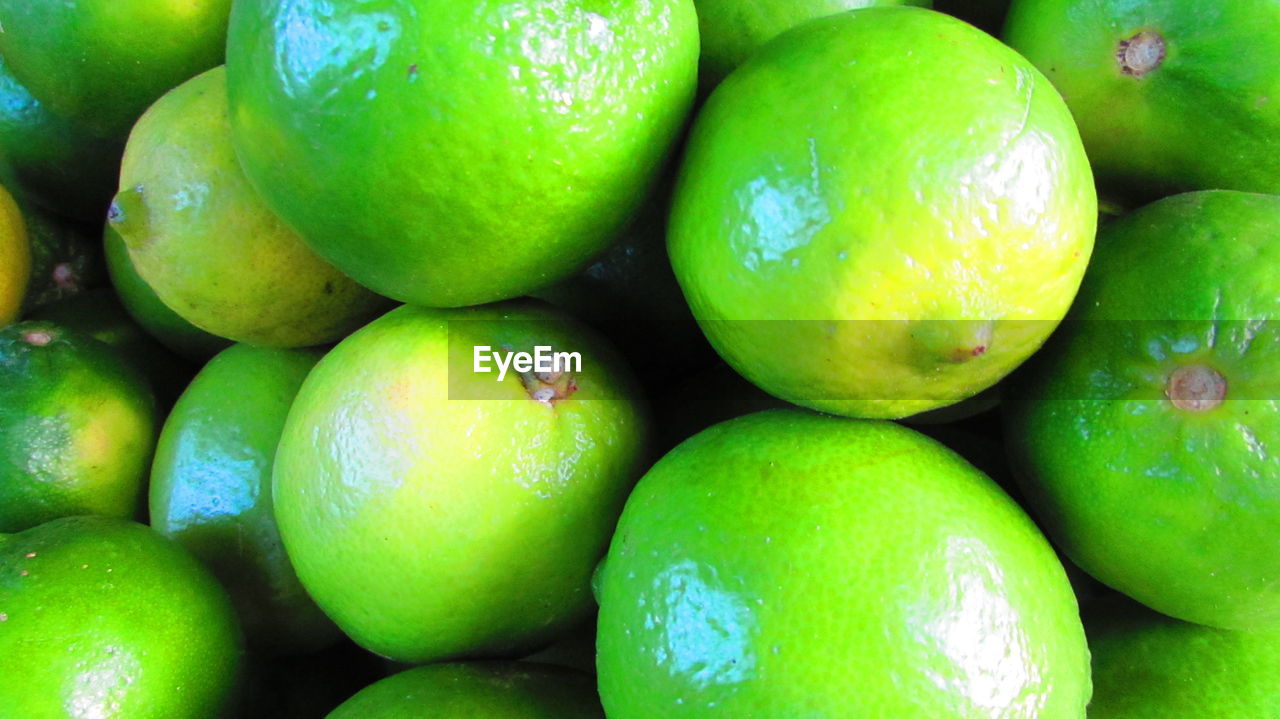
(1148, 666)
(436, 512)
(77, 427)
(199, 235)
(100, 63)
(15, 258)
(1169, 96)
(66, 257)
(103, 618)
(99, 314)
(454, 153)
(896, 242)
(141, 302)
(732, 31)
(493, 690)
(1143, 433)
(211, 490)
(787, 564)
(51, 161)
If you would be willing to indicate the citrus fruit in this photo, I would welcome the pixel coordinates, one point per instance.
(454, 153)
(65, 257)
(436, 512)
(211, 490)
(787, 564)
(1148, 666)
(1142, 434)
(77, 427)
(731, 31)
(100, 63)
(15, 258)
(199, 235)
(99, 314)
(52, 161)
(494, 690)
(153, 315)
(102, 617)
(896, 242)
(1169, 96)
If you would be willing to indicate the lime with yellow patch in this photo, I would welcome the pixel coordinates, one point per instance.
(1144, 433)
(77, 427)
(15, 258)
(732, 31)
(434, 511)
(202, 239)
(100, 63)
(455, 153)
(102, 617)
(211, 490)
(152, 314)
(896, 242)
(787, 564)
(494, 690)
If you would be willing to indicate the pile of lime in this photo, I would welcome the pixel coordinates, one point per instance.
(534, 359)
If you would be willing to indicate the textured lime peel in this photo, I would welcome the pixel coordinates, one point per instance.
(1141, 53)
(1196, 388)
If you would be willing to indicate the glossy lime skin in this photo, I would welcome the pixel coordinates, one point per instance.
(896, 242)
(1205, 118)
(787, 564)
(211, 490)
(494, 690)
(1148, 666)
(51, 160)
(77, 427)
(102, 617)
(202, 238)
(454, 153)
(99, 314)
(100, 63)
(731, 31)
(433, 512)
(150, 312)
(1178, 509)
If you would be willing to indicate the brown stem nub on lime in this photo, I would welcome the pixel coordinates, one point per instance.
(1196, 388)
(1141, 53)
(1169, 96)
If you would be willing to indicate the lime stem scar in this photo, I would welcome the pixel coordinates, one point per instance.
(1196, 388)
(39, 338)
(1141, 53)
